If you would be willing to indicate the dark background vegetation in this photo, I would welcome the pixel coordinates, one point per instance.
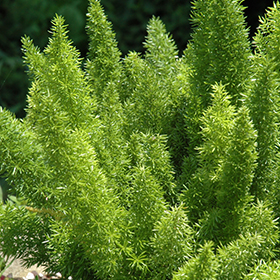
(129, 18)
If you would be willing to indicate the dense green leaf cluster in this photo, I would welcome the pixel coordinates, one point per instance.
(153, 166)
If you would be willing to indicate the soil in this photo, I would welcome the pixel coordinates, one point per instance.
(17, 271)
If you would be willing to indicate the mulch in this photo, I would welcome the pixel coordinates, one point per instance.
(30, 276)
(16, 271)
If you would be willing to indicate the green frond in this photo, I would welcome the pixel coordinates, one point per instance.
(151, 151)
(218, 51)
(216, 125)
(161, 50)
(264, 271)
(59, 93)
(171, 243)
(201, 267)
(219, 48)
(21, 158)
(146, 203)
(148, 103)
(267, 37)
(263, 101)
(28, 234)
(103, 65)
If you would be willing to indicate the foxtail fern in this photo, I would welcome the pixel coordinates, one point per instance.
(151, 166)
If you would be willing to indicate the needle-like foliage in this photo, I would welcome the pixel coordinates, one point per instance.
(152, 166)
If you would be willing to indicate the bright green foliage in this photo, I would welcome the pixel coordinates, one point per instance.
(219, 48)
(150, 151)
(146, 107)
(267, 36)
(103, 74)
(217, 123)
(233, 261)
(220, 187)
(259, 218)
(67, 131)
(236, 174)
(259, 234)
(152, 96)
(54, 94)
(146, 204)
(149, 82)
(171, 243)
(103, 66)
(110, 145)
(265, 271)
(99, 163)
(218, 52)
(266, 181)
(240, 254)
(263, 101)
(21, 158)
(201, 267)
(162, 56)
(68, 159)
(161, 51)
